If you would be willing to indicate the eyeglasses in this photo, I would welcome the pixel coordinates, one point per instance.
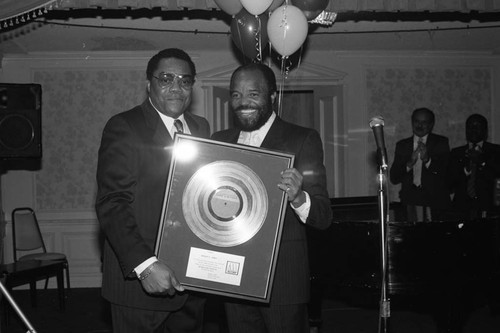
(166, 80)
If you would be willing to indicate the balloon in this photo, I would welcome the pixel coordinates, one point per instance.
(256, 7)
(232, 7)
(246, 30)
(287, 29)
(275, 4)
(311, 8)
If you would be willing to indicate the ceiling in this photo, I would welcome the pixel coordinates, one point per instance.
(152, 29)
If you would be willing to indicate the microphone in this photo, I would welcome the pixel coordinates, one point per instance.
(377, 125)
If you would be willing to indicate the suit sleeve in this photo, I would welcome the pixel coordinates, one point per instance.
(117, 172)
(440, 158)
(309, 161)
(491, 167)
(455, 172)
(398, 169)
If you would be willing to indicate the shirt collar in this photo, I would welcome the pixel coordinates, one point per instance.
(260, 133)
(417, 138)
(169, 121)
(479, 144)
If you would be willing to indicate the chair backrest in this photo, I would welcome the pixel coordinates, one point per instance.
(26, 234)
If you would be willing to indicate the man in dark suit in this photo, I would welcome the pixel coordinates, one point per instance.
(253, 93)
(473, 171)
(420, 164)
(132, 170)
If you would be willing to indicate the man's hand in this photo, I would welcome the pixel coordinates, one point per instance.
(424, 156)
(291, 183)
(161, 280)
(414, 158)
(475, 155)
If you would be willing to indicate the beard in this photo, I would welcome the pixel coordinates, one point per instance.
(253, 121)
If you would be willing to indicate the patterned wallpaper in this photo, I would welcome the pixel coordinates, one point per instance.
(75, 107)
(76, 103)
(452, 93)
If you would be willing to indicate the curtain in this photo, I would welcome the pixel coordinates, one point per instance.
(13, 12)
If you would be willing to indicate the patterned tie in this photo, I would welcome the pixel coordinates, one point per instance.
(417, 168)
(471, 181)
(178, 126)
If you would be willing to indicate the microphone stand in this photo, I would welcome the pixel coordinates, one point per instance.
(385, 309)
(13, 303)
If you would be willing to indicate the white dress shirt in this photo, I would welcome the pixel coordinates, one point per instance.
(169, 122)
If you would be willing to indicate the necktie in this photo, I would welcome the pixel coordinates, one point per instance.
(471, 181)
(178, 126)
(417, 169)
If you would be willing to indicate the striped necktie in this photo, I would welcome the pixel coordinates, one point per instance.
(471, 181)
(417, 169)
(178, 126)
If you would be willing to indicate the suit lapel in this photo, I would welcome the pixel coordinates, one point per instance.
(486, 148)
(194, 126)
(430, 143)
(155, 125)
(274, 137)
(232, 136)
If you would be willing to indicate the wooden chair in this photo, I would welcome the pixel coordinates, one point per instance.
(27, 238)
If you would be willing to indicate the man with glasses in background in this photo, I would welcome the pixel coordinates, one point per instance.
(132, 171)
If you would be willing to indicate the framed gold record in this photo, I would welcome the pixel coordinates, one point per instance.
(222, 217)
(225, 203)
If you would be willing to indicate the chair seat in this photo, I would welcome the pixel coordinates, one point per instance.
(44, 256)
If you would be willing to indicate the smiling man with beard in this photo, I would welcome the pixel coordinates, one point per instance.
(253, 93)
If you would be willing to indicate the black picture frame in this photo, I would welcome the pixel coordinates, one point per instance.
(222, 217)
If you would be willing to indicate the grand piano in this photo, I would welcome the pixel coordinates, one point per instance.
(439, 260)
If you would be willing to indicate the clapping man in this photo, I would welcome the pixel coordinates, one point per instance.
(420, 165)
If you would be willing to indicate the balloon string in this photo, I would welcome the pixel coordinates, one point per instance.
(287, 67)
(240, 40)
(300, 57)
(258, 41)
(284, 24)
(269, 61)
(282, 86)
(270, 46)
(290, 64)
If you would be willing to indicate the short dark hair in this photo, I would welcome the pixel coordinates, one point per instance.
(479, 118)
(266, 71)
(424, 110)
(169, 53)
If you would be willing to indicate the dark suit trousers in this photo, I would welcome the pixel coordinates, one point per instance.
(188, 319)
(251, 318)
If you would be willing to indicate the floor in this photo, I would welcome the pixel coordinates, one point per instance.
(86, 312)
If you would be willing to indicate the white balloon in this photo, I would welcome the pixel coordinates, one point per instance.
(287, 29)
(256, 7)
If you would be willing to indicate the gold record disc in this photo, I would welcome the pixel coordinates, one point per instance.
(225, 203)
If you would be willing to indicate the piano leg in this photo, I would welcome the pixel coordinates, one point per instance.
(315, 303)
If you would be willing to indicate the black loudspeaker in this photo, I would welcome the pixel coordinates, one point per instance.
(20, 120)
